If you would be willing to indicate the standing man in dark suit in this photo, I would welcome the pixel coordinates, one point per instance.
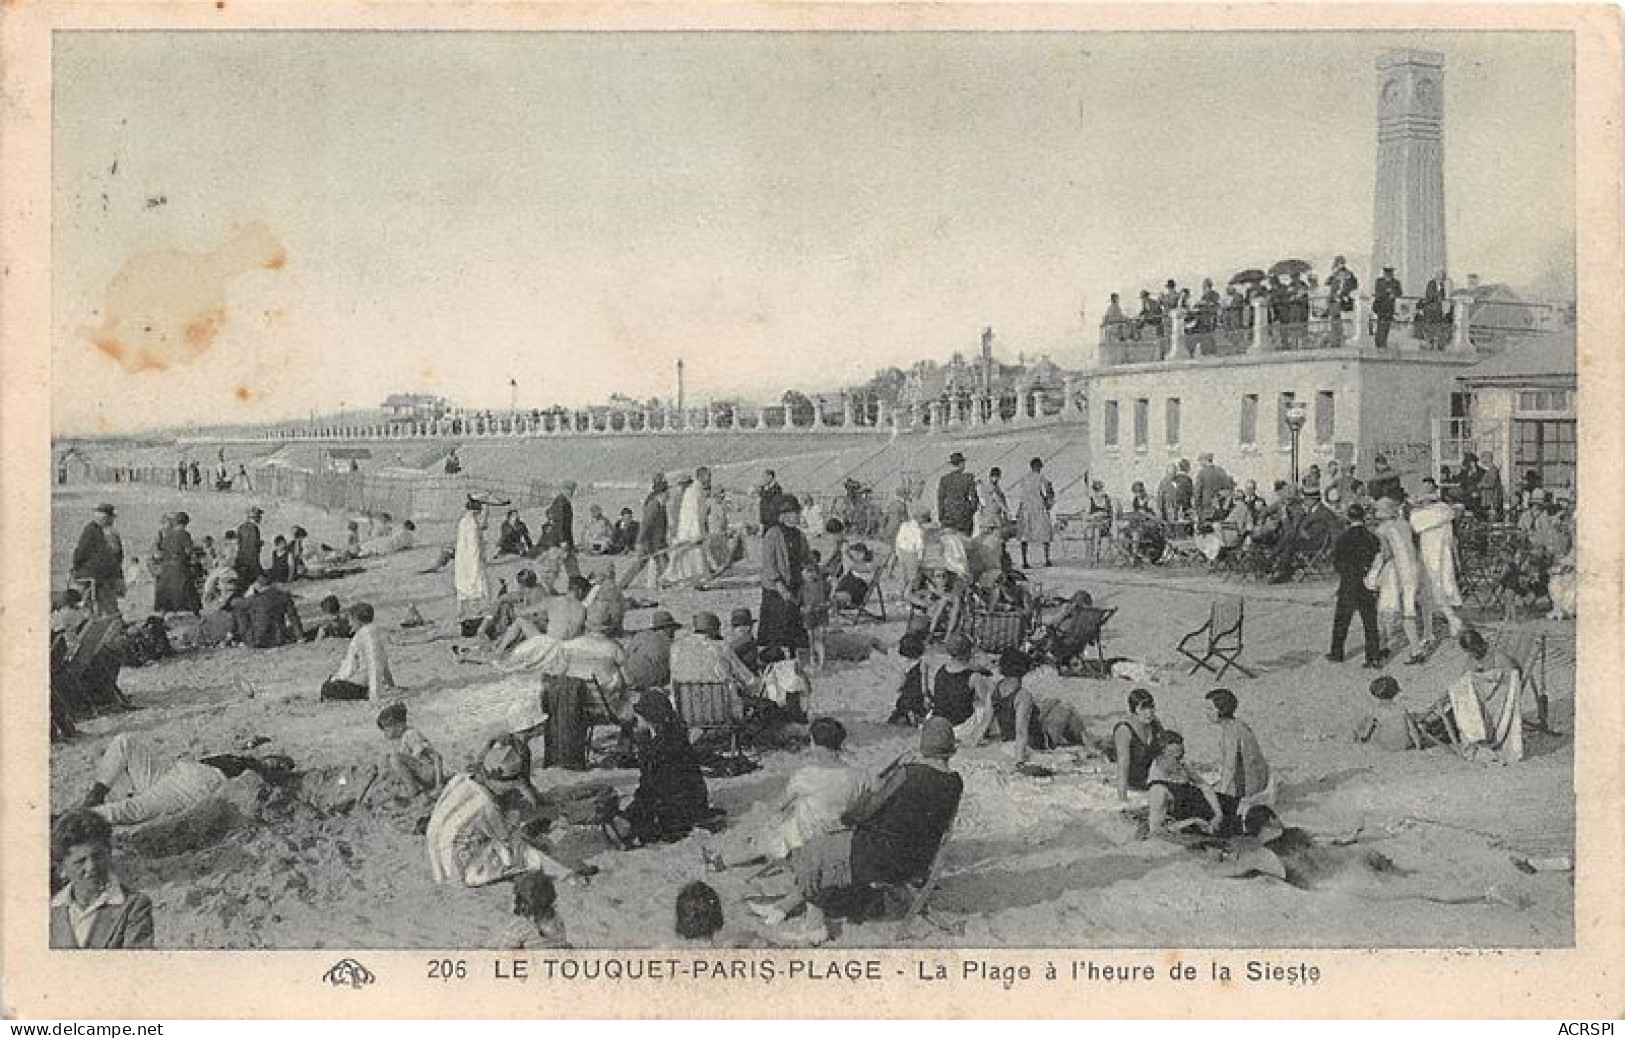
(1385, 294)
(100, 558)
(560, 529)
(247, 563)
(1352, 555)
(956, 496)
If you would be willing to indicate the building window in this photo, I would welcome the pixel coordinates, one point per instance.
(1543, 400)
(1283, 431)
(1142, 423)
(1547, 447)
(1110, 425)
(1249, 420)
(1325, 416)
(1170, 421)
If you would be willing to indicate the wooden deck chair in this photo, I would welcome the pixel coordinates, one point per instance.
(1527, 651)
(1315, 561)
(933, 876)
(870, 608)
(710, 706)
(1077, 630)
(1220, 638)
(1484, 727)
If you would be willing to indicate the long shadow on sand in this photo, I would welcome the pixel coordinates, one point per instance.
(1299, 794)
(984, 893)
(1286, 661)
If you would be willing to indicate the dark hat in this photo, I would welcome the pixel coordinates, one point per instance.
(956, 458)
(473, 504)
(663, 621)
(182, 518)
(659, 482)
(1387, 270)
(788, 503)
(255, 512)
(105, 509)
(707, 623)
(741, 618)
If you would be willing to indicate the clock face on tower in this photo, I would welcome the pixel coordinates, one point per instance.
(1390, 94)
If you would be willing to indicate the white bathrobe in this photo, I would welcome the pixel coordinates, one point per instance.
(1433, 523)
(686, 561)
(468, 573)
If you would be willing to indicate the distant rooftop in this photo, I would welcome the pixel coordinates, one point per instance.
(1542, 355)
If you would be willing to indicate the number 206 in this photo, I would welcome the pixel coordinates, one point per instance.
(448, 969)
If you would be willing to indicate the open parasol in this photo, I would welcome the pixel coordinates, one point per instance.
(1247, 277)
(1289, 267)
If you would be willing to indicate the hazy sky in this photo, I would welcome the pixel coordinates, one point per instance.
(577, 211)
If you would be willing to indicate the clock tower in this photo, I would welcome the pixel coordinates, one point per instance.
(1409, 210)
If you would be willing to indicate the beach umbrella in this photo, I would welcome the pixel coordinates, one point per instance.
(1247, 277)
(1289, 267)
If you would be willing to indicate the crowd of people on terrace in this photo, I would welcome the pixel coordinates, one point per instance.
(1294, 297)
(840, 832)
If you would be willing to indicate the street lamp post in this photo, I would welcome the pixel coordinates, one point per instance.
(1296, 415)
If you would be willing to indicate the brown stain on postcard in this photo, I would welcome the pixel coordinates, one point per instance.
(167, 307)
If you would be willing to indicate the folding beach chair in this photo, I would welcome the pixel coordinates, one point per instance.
(710, 706)
(933, 876)
(1220, 638)
(1315, 561)
(1074, 632)
(870, 608)
(1527, 651)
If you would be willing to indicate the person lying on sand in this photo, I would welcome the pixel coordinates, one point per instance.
(1028, 722)
(894, 838)
(814, 802)
(158, 792)
(389, 543)
(1303, 860)
(473, 841)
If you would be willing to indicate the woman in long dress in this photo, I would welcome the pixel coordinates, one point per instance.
(175, 590)
(687, 559)
(1033, 523)
(671, 797)
(784, 554)
(1396, 576)
(468, 569)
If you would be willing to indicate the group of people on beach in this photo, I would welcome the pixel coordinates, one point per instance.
(843, 835)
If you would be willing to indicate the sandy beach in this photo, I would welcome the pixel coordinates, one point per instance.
(1033, 862)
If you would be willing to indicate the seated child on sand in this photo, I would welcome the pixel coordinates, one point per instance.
(536, 924)
(411, 762)
(699, 915)
(1388, 726)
